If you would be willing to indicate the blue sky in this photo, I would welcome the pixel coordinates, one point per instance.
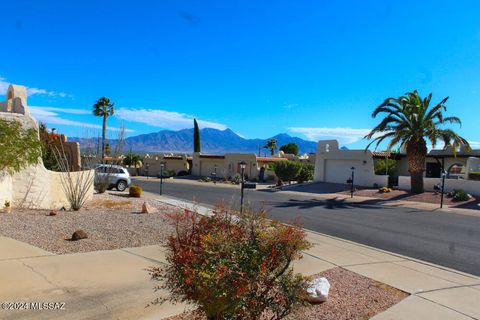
(314, 69)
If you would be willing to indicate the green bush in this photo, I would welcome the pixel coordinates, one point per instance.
(459, 195)
(474, 175)
(290, 148)
(306, 172)
(233, 266)
(182, 173)
(287, 170)
(381, 166)
(167, 173)
(237, 178)
(135, 191)
(19, 147)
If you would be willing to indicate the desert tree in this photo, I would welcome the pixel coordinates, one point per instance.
(103, 108)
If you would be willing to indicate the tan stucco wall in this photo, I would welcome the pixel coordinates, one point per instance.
(334, 165)
(5, 189)
(39, 188)
(469, 186)
(35, 186)
(402, 164)
(154, 161)
(227, 166)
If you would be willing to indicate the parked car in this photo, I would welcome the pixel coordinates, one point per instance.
(116, 176)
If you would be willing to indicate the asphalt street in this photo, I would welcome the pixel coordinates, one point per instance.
(443, 238)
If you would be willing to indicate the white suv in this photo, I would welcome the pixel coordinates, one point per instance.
(116, 176)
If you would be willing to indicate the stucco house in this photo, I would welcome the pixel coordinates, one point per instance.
(34, 186)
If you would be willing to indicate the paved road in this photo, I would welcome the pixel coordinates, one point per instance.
(447, 239)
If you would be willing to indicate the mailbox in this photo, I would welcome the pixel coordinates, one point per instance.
(250, 185)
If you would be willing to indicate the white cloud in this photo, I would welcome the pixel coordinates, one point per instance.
(61, 110)
(47, 115)
(164, 119)
(32, 91)
(290, 105)
(343, 135)
(474, 144)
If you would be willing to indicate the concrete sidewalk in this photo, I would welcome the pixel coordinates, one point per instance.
(114, 284)
(435, 292)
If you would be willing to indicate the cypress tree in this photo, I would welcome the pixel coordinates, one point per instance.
(196, 136)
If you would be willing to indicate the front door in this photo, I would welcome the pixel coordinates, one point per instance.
(434, 170)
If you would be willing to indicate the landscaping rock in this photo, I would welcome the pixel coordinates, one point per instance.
(52, 213)
(146, 208)
(318, 290)
(78, 235)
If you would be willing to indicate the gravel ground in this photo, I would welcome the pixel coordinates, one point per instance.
(351, 297)
(110, 220)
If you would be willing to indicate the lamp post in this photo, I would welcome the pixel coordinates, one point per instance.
(242, 167)
(214, 174)
(353, 178)
(162, 165)
(444, 174)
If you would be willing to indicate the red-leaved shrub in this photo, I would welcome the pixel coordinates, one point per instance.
(233, 266)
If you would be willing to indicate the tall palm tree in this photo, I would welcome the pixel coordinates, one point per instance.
(103, 108)
(409, 121)
(271, 145)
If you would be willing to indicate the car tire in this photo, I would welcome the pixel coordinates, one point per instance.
(121, 185)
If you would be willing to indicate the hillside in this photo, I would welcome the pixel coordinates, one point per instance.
(212, 141)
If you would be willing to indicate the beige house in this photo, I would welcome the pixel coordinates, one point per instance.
(334, 165)
(151, 164)
(227, 165)
(34, 186)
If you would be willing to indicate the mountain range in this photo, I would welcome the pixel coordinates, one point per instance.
(212, 141)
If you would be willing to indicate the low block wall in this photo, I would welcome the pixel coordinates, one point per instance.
(470, 186)
(38, 188)
(5, 189)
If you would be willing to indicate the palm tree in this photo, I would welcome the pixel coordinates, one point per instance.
(271, 145)
(410, 121)
(103, 108)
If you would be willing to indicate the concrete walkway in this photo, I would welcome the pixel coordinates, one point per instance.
(113, 284)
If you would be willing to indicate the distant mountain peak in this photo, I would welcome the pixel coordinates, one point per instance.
(212, 141)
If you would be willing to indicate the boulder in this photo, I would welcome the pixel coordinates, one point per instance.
(318, 290)
(146, 208)
(78, 235)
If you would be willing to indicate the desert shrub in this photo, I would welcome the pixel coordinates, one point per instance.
(135, 191)
(287, 170)
(474, 175)
(459, 195)
(182, 173)
(167, 173)
(237, 178)
(19, 147)
(233, 267)
(385, 190)
(100, 187)
(381, 168)
(306, 172)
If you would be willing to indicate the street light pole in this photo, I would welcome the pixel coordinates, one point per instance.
(353, 179)
(215, 174)
(161, 177)
(242, 167)
(444, 174)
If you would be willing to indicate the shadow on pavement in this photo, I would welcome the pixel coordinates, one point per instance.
(332, 203)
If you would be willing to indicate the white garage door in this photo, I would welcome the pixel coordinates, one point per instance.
(338, 171)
